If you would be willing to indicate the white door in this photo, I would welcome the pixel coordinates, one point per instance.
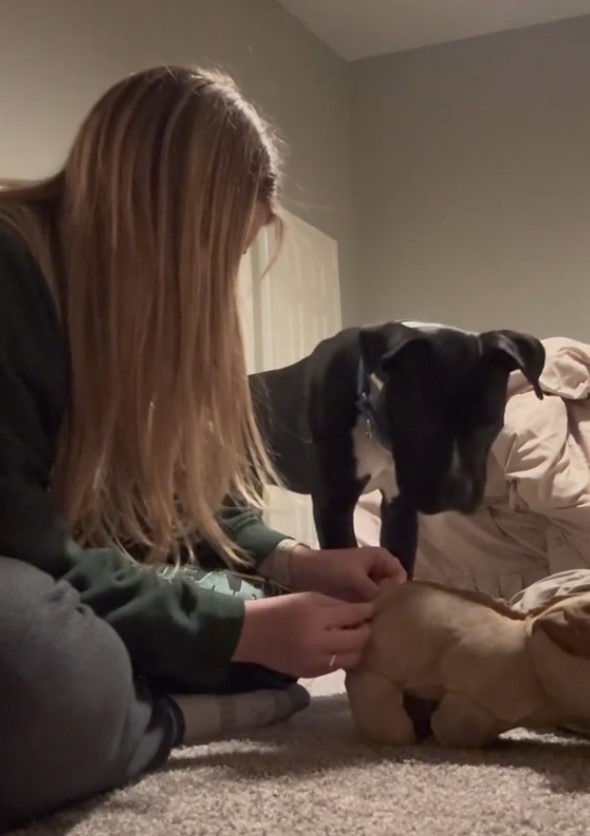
(295, 305)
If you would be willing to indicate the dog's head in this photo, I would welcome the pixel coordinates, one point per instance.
(443, 396)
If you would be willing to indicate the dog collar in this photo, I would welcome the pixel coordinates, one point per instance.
(367, 395)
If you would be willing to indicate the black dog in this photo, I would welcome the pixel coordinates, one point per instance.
(410, 409)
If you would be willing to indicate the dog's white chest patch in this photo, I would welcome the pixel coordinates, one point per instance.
(374, 463)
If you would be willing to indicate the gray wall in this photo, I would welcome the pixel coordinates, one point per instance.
(472, 181)
(57, 56)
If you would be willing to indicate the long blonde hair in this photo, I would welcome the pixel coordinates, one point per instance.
(140, 238)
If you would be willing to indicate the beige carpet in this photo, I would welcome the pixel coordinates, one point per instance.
(311, 776)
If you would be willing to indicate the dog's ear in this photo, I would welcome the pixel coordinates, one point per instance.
(517, 351)
(383, 345)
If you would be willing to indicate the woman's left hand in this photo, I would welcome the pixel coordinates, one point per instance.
(348, 574)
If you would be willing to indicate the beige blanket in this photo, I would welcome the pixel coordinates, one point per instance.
(535, 520)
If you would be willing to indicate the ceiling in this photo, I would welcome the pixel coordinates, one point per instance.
(361, 28)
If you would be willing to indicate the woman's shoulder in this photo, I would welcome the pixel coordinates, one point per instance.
(13, 248)
(18, 269)
(15, 253)
(32, 342)
(24, 293)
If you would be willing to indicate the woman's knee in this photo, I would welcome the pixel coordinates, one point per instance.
(70, 717)
(54, 652)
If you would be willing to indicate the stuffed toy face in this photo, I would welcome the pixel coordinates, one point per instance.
(560, 648)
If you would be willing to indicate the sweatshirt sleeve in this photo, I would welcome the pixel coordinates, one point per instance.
(247, 529)
(172, 629)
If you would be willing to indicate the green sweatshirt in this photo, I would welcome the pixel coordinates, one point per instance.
(173, 630)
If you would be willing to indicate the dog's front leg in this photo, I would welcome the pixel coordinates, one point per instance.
(399, 531)
(335, 494)
(334, 523)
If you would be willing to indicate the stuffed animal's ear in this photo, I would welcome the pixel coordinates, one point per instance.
(382, 345)
(517, 351)
(567, 625)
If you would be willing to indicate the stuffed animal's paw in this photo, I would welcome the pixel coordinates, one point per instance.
(378, 710)
(460, 723)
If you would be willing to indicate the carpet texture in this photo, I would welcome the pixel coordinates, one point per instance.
(312, 776)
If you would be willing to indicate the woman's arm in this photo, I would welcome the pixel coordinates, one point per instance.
(247, 529)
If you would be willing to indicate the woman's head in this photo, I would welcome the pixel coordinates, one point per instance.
(140, 237)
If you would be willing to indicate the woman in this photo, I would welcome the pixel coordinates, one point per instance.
(128, 444)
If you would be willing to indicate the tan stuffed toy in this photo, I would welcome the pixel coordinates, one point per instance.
(482, 667)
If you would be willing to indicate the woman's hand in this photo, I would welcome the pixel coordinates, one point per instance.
(304, 634)
(348, 574)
